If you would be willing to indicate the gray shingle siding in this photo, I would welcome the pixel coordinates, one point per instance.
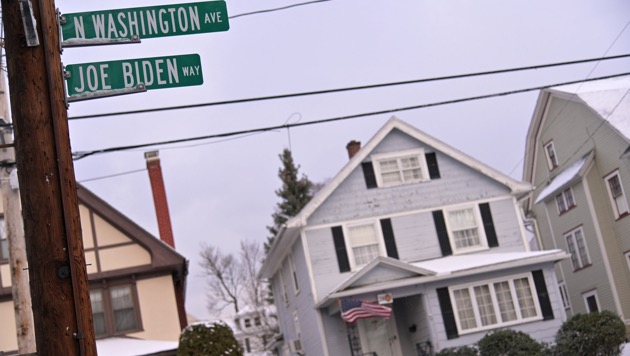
(458, 182)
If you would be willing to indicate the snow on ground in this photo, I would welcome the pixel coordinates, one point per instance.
(119, 346)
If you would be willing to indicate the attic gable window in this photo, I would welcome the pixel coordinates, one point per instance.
(403, 167)
(552, 159)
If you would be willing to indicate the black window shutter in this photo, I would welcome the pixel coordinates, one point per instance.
(340, 249)
(388, 235)
(543, 296)
(447, 313)
(488, 225)
(368, 173)
(434, 170)
(440, 228)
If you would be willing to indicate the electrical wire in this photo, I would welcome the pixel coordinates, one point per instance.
(83, 154)
(329, 91)
(277, 9)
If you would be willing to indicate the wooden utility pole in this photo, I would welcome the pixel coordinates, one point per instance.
(15, 235)
(56, 261)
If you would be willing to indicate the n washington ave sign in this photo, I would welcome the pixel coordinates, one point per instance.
(147, 22)
(154, 73)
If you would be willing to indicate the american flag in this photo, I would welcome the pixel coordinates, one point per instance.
(353, 309)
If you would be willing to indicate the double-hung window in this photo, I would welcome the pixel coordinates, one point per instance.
(495, 303)
(365, 243)
(115, 310)
(577, 248)
(398, 168)
(465, 229)
(552, 158)
(617, 195)
(565, 201)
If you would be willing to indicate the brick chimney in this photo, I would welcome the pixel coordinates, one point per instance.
(159, 197)
(353, 147)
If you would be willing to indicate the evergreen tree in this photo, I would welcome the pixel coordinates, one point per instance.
(294, 194)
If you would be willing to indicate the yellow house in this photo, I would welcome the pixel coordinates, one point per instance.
(137, 282)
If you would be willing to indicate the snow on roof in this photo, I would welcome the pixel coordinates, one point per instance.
(562, 178)
(121, 346)
(610, 98)
(451, 264)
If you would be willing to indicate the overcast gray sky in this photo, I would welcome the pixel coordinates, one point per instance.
(222, 191)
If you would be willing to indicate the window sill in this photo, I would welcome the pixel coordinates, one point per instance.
(567, 210)
(581, 268)
(619, 217)
(499, 326)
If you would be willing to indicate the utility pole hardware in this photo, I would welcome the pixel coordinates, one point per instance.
(56, 261)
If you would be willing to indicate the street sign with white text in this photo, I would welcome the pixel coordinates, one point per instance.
(147, 22)
(154, 73)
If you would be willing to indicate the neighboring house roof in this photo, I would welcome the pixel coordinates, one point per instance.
(163, 256)
(443, 268)
(288, 234)
(125, 346)
(566, 176)
(164, 259)
(609, 99)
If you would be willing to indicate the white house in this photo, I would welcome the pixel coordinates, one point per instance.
(416, 225)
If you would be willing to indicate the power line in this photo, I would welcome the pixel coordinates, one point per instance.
(112, 175)
(277, 8)
(80, 155)
(329, 91)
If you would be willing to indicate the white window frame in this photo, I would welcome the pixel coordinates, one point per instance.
(564, 295)
(481, 233)
(283, 286)
(585, 296)
(417, 153)
(627, 254)
(576, 255)
(348, 240)
(619, 211)
(568, 203)
(497, 312)
(552, 160)
(296, 284)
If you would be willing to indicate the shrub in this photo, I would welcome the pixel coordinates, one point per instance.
(458, 351)
(208, 339)
(508, 342)
(601, 334)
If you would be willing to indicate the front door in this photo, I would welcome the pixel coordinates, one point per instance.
(379, 337)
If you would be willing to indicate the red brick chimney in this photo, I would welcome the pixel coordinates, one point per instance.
(353, 147)
(164, 225)
(159, 197)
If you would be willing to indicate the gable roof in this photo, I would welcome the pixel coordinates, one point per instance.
(163, 257)
(383, 269)
(609, 99)
(515, 186)
(289, 233)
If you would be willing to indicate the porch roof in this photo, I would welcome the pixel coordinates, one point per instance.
(442, 269)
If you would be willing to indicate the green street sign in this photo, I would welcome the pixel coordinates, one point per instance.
(147, 22)
(154, 73)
